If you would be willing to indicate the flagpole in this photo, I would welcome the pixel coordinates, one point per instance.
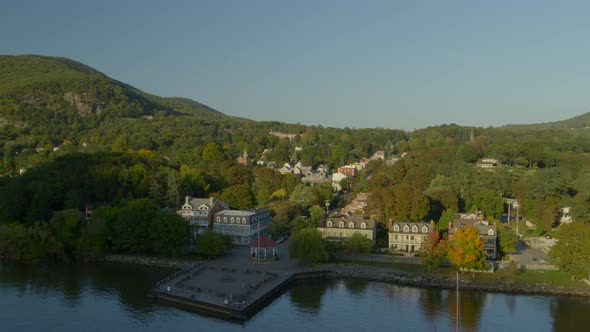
(457, 315)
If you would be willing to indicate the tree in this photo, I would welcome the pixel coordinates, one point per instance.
(466, 249)
(507, 240)
(169, 234)
(358, 243)
(308, 245)
(238, 197)
(66, 227)
(447, 217)
(489, 202)
(572, 252)
(173, 192)
(212, 244)
(316, 213)
(433, 250)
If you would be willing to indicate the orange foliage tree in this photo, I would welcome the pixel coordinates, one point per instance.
(466, 249)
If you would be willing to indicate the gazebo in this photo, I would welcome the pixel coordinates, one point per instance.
(263, 249)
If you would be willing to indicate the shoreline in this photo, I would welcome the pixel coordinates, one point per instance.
(411, 279)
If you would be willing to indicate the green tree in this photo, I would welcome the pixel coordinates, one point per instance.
(308, 245)
(212, 244)
(489, 202)
(358, 244)
(466, 249)
(572, 252)
(316, 213)
(238, 197)
(66, 225)
(169, 234)
(507, 240)
(447, 217)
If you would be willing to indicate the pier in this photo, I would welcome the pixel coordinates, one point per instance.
(226, 292)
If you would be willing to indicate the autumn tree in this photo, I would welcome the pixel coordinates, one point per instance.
(433, 250)
(466, 249)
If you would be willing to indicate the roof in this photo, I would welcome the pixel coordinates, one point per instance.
(401, 225)
(356, 219)
(481, 225)
(209, 202)
(263, 242)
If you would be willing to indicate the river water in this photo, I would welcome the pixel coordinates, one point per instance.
(110, 297)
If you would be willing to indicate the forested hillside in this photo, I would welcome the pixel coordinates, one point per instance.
(71, 136)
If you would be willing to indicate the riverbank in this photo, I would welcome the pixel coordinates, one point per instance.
(159, 262)
(425, 280)
(383, 274)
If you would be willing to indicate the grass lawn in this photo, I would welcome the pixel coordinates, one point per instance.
(554, 278)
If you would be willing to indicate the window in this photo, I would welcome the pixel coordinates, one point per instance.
(406, 228)
(351, 225)
(412, 237)
(396, 228)
(232, 220)
(243, 220)
(395, 237)
(363, 225)
(218, 219)
(491, 232)
(329, 223)
(424, 229)
(415, 229)
(225, 220)
(341, 225)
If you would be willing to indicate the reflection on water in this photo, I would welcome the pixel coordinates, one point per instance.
(113, 297)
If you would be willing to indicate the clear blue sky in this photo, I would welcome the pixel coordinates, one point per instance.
(394, 64)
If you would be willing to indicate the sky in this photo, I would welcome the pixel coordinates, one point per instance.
(392, 64)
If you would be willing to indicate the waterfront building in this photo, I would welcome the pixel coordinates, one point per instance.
(408, 237)
(341, 227)
(243, 226)
(199, 212)
(487, 232)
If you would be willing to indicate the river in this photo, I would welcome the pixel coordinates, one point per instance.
(110, 297)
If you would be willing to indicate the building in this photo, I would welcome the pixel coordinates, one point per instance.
(487, 233)
(342, 227)
(242, 226)
(199, 212)
(348, 170)
(336, 180)
(243, 159)
(488, 163)
(408, 237)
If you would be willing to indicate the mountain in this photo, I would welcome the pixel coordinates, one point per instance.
(39, 88)
(577, 122)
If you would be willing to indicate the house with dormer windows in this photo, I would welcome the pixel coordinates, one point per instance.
(341, 227)
(199, 212)
(488, 233)
(407, 237)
